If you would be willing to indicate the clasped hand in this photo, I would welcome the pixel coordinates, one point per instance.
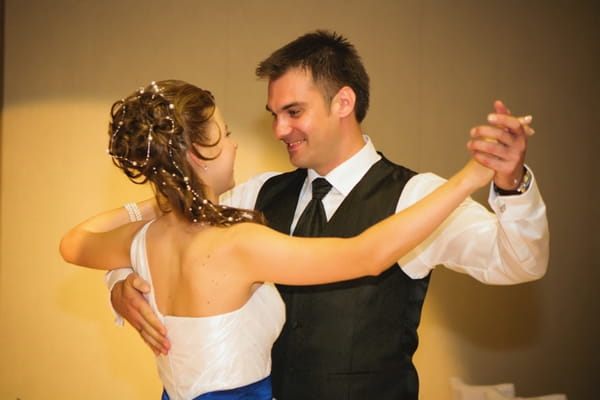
(502, 145)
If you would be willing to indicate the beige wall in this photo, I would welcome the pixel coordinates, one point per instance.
(436, 67)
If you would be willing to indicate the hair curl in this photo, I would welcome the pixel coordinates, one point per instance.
(151, 132)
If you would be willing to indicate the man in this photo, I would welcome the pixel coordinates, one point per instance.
(355, 339)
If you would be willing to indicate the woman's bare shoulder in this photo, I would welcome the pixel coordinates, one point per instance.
(221, 242)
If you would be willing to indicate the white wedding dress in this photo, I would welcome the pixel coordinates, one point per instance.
(218, 352)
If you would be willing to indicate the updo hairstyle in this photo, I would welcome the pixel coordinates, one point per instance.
(150, 133)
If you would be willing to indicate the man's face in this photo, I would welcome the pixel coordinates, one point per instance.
(303, 122)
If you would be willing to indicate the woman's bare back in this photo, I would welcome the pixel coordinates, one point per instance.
(193, 269)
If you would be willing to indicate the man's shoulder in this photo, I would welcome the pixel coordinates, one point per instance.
(284, 177)
(397, 169)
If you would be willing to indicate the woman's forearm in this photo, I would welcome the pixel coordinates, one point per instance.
(88, 241)
(393, 237)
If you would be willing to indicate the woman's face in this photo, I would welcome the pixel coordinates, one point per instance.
(218, 173)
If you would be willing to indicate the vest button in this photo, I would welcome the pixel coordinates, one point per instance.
(295, 324)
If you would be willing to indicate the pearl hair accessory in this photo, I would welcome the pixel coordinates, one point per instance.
(155, 93)
(199, 208)
(196, 197)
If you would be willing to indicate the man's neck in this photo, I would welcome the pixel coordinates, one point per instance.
(350, 143)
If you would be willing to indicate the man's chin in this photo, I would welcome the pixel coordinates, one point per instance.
(297, 161)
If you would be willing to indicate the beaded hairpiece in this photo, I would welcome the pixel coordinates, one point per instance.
(155, 93)
(225, 215)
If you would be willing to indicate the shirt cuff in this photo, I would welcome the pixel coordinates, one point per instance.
(517, 207)
(522, 188)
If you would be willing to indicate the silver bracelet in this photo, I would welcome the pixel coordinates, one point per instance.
(133, 211)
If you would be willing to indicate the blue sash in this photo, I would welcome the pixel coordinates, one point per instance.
(260, 390)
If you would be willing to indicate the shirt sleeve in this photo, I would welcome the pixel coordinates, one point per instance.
(245, 194)
(507, 246)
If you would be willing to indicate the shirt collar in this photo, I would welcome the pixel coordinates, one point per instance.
(346, 175)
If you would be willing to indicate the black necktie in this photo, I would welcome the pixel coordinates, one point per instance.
(313, 218)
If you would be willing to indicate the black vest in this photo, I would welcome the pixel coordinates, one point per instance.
(350, 340)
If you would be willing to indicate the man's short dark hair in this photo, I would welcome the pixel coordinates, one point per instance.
(331, 59)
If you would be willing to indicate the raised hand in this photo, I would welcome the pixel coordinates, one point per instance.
(502, 145)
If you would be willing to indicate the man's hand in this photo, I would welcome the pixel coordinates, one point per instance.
(127, 299)
(502, 145)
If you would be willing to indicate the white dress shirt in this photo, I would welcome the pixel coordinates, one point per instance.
(510, 246)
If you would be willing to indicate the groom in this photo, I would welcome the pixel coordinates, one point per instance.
(355, 339)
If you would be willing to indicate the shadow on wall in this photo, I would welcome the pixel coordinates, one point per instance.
(496, 318)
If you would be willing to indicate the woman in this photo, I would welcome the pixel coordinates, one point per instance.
(207, 263)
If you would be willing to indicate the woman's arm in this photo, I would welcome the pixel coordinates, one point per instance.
(103, 241)
(266, 255)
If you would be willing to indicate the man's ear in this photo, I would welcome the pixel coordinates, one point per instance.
(343, 102)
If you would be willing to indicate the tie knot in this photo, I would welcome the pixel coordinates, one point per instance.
(320, 187)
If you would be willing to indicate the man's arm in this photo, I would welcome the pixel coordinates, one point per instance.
(126, 297)
(510, 246)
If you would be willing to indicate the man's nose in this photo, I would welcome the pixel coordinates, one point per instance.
(281, 128)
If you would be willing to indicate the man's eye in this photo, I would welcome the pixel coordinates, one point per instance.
(294, 112)
(228, 133)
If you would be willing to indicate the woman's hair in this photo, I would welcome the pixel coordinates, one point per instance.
(150, 133)
(331, 59)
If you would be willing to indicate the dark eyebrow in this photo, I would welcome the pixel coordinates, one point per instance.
(286, 107)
